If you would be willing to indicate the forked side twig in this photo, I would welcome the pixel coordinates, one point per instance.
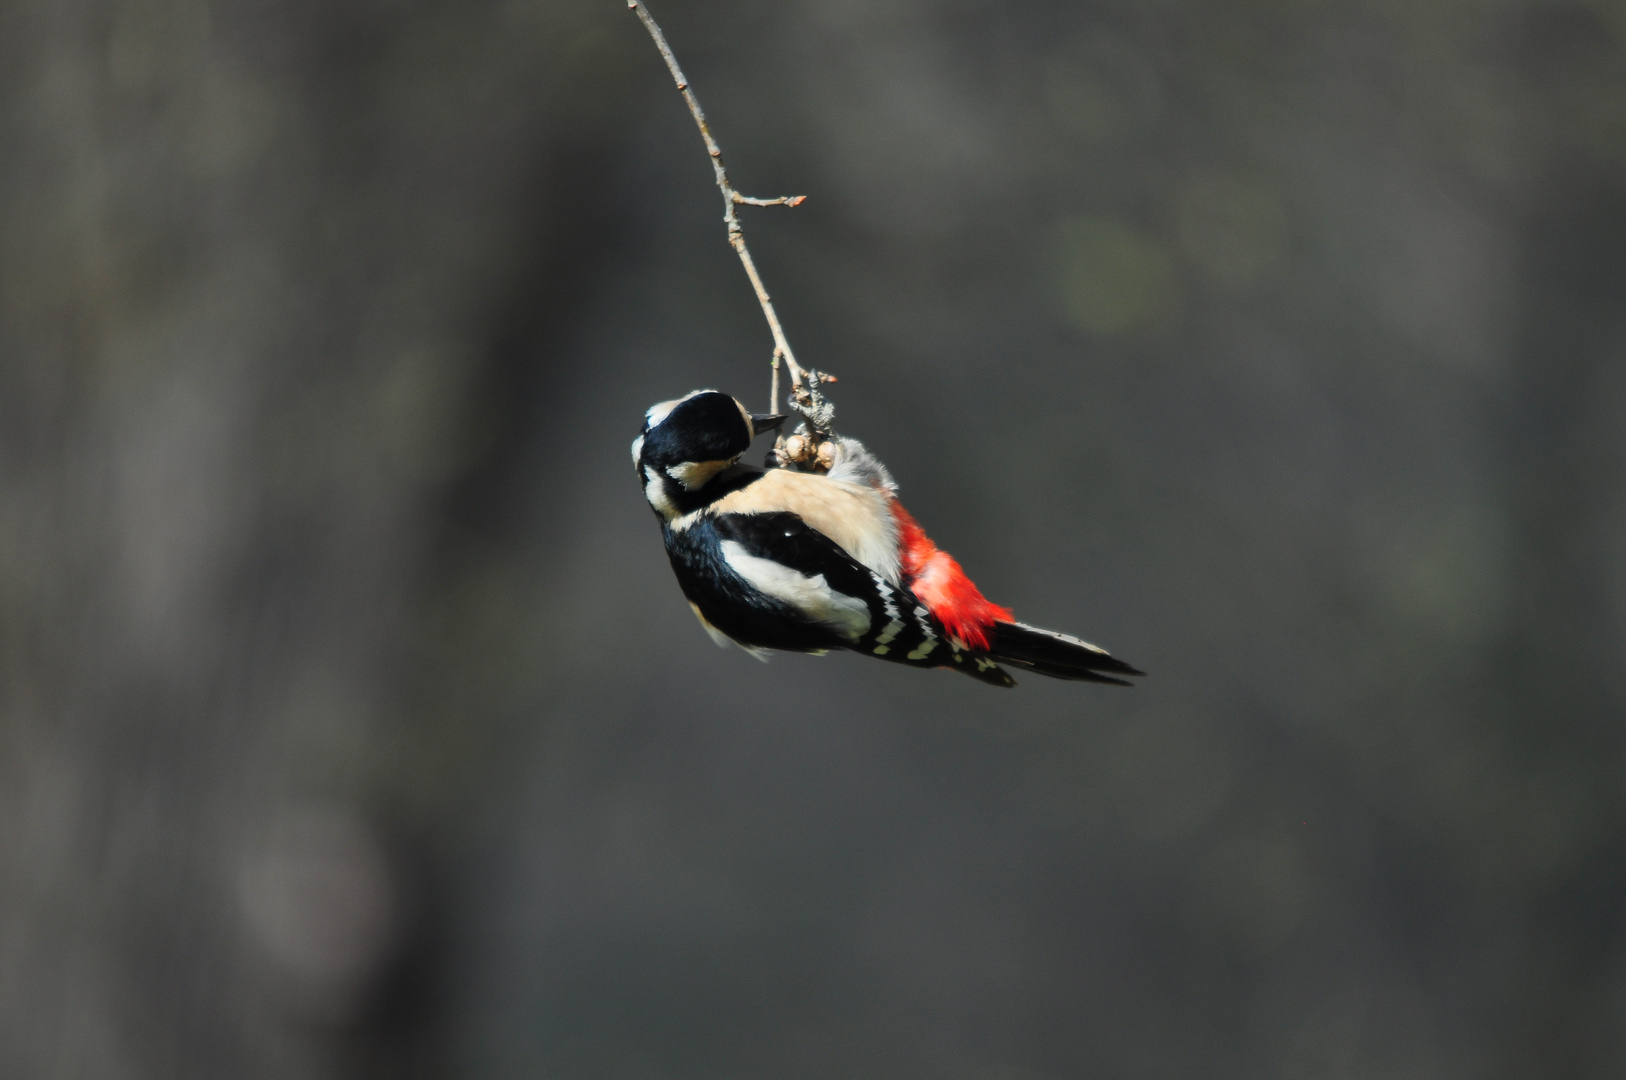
(804, 381)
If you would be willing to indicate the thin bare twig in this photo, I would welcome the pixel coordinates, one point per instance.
(804, 381)
(783, 200)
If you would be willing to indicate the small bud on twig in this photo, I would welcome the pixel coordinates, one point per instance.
(804, 381)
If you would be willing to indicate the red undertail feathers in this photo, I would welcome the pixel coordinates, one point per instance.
(934, 577)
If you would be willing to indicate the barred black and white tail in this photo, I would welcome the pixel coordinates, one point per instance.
(1059, 656)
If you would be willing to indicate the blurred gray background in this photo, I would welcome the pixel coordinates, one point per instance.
(352, 725)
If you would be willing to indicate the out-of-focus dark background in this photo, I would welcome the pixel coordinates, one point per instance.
(351, 724)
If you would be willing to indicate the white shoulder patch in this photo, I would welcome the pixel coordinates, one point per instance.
(857, 516)
(812, 596)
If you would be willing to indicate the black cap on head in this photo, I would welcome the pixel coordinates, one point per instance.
(705, 426)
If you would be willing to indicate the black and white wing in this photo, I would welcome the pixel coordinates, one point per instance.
(772, 581)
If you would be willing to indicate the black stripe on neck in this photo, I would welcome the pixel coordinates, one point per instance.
(730, 480)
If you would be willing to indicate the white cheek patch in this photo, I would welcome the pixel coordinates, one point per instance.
(637, 450)
(695, 474)
(811, 596)
(655, 492)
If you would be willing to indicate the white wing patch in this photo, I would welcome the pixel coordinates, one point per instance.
(812, 596)
(856, 516)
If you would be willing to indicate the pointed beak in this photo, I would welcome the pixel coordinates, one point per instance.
(761, 422)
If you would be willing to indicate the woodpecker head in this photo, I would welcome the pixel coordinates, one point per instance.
(686, 443)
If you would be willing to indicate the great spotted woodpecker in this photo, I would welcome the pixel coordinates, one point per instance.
(781, 559)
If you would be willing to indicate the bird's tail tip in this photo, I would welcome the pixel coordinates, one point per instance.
(1058, 655)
